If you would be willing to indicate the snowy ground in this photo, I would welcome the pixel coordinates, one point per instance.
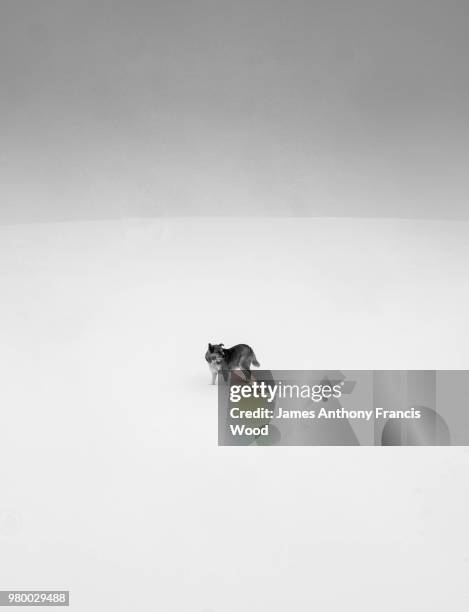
(112, 482)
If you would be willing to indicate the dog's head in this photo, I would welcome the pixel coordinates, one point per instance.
(215, 354)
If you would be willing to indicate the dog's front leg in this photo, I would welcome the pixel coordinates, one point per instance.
(214, 377)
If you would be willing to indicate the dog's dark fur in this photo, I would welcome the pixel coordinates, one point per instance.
(224, 360)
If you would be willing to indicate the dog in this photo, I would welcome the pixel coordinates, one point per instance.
(224, 360)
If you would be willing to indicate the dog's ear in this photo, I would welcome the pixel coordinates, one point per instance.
(210, 347)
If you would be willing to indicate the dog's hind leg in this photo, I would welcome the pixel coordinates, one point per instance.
(245, 367)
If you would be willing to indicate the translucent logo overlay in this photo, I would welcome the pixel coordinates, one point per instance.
(344, 408)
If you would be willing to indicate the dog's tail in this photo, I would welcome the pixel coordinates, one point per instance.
(254, 360)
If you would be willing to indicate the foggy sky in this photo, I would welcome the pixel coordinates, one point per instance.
(323, 108)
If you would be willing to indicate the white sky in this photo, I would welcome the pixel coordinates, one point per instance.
(329, 108)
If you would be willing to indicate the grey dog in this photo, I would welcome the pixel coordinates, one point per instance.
(224, 360)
